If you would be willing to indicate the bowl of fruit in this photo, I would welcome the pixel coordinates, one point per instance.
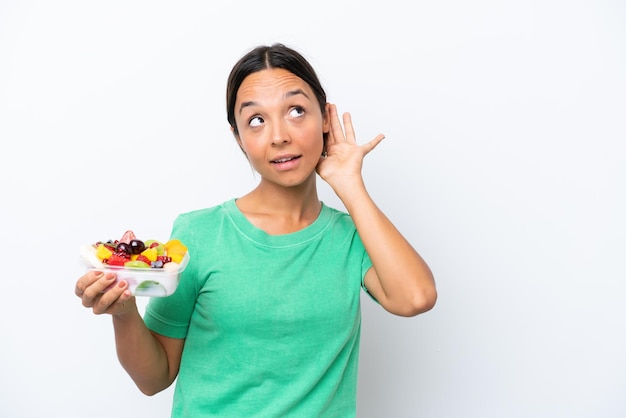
(151, 267)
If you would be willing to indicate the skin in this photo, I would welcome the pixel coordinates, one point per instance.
(277, 116)
(279, 119)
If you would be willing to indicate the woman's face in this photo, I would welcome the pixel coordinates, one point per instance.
(280, 126)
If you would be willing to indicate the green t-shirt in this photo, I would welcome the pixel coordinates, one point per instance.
(271, 322)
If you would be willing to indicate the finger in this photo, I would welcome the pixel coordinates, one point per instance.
(78, 290)
(348, 127)
(85, 281)
(335, 126)
(116, 293)
(94, 290)
(372, 144)
(331, 138)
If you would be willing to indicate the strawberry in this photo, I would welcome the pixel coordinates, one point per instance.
(128, 237)
(118, 259)
(143, 258)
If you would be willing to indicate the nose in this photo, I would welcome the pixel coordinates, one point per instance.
(280, 134)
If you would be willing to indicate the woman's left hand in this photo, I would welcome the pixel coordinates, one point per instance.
(341, 167)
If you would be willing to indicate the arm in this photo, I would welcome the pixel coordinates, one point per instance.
(400, 279)
(151, 360)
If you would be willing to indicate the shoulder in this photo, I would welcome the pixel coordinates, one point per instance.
(337, 216)
(201, 220)
(204, 214)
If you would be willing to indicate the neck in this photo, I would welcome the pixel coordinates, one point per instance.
(278, 210)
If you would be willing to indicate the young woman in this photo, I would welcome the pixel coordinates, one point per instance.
(266, 319)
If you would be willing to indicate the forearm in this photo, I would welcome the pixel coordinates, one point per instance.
(141, 355)
(404, 283)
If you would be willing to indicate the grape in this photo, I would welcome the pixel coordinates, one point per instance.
(137, 246)
(122, 247)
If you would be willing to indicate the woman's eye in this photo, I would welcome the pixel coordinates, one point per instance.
(296, 112)
(256, 121)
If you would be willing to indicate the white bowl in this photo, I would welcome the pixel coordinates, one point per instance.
(155, 282)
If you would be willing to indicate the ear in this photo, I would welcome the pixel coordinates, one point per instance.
(325, 129)
(326, 119)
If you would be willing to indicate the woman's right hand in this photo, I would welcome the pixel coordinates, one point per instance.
(100, 292)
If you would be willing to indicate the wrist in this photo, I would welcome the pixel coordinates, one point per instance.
(351, 192)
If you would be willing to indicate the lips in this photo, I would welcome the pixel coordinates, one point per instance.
(284, 159)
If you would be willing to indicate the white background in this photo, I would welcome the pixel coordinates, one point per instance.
(504, 165)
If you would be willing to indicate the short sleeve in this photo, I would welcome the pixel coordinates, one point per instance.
(171, 315)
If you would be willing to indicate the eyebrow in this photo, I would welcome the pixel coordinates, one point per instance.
(290, 93)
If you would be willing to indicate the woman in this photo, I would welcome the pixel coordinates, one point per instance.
(266, 319)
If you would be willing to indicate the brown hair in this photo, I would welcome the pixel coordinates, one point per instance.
(267, 57)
